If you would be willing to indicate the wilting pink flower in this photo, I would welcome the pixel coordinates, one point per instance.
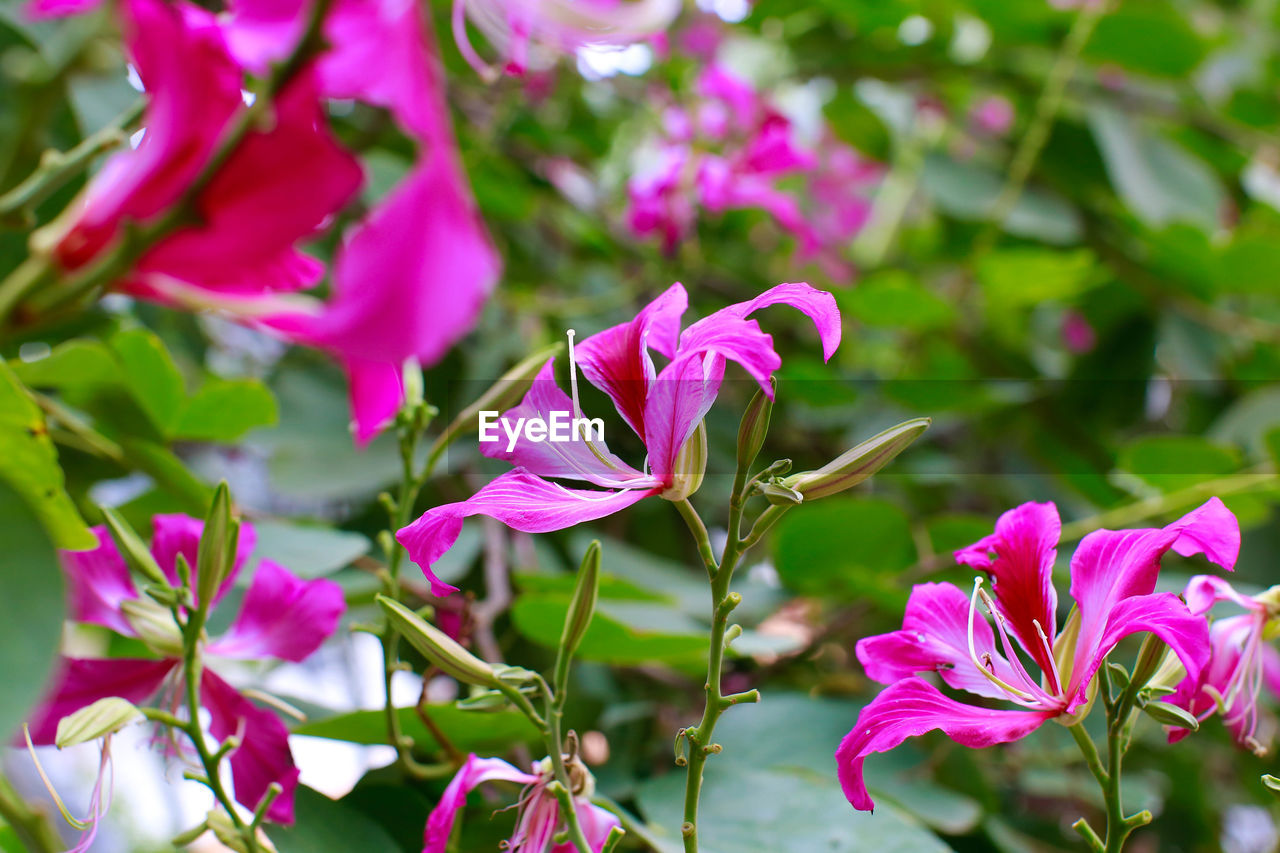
(663, 408)
(1113, 577)
(282, 617)
(1241, 663)
(530, 34)
(993, 115)
(539, 815)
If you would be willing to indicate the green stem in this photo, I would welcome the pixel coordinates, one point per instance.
(555, 748)
(33, 831)
(1119, 826)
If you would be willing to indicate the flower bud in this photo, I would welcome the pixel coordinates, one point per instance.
(754, 426)
(154, 626)
(583, 606)
(857, 464)
(1169, 714)
(217, 551)
(104, 717)
(135, 552)
(437, 646)
(689, 467)
(777, 494)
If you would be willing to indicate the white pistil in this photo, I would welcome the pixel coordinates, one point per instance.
(989, 673)
(573, 375)
(1048, 648)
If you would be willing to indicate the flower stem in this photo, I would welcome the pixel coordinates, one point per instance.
(29, 825)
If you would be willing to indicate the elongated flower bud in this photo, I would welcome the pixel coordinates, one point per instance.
(91, 722)
(217, 551)
(437, 646)
(690, 466)
(135, 552)
(583, 606)
(154, 625)
(754, 427)
(857, 464)
(1169, 714)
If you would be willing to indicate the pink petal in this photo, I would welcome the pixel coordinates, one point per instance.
(80, 682)
(42, 9)
(282, 617)
(935, 638)
(376, 390)
(263, 756)
(617, 360)
(180, 534)
(519, 500)
(475, 772)
(1204, 591)
(1025, 543)
(98, 581)
(596, 822)
(912, 707)
(574, 459)
(818, 305)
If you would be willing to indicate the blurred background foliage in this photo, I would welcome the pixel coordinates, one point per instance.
(1101, 330)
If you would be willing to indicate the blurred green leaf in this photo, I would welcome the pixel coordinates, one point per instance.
(895, 299)
(969, 191)
(323, 825)
(151, 375)
(224, 410)
(1150, 38)
(1171, 462)
(308, 550)
(469, 731)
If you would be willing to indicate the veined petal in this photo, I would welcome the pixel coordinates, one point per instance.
(82, 681)
(596, 822)
(678, 400)
(617, 360)
(935, 638)
(180, 534)
(475, 772)
(282, 616)
(910, 708)
(98, 581)
(1025, 544)
(520, 500)
(818, 305)
(263, 755)
(576, 459)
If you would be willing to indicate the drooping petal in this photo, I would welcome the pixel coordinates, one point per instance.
(576, 458)
(282, 616)
(1025, 544)
(617, 360)
(180, 534)
(1204, 591)
(474, 772)
(818, 305)
(97, 582)
(910, 708)
(519, 500)
(935, 638)
(263, 755)
(82, 681)
(376, 391)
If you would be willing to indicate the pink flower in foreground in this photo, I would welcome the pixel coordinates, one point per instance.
(539, 815)
(282, 617)
(530, 34)
(1113, 577)
(663, 408)
(1241, 663)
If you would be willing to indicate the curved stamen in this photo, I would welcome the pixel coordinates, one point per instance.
(1054, 675)
(573, 375)
(1015, 662)
(987, 671)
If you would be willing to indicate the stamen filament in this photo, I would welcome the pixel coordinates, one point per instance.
(1053, 674)
(973, 651)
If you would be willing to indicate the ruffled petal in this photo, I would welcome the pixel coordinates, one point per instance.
(82, 681)
(474, 772)
(818, 305)
(282, 617)
(519, 500)
(935, 638)
(910, 708)
(98, 581)
(263, 755)
(180, 534)
(1025, 544)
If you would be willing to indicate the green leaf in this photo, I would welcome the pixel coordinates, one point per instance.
(307, 550)
(896, 299)
(29, 463)
(624, 633)
(151, 376)
(1148, 38)
(329, 826)
(1161, 182)
(969, 191)
(1171, 462)
(1020, 278)
(76, 363)
(32, 605)
(469, 731)
(223, 410)
(850, 547)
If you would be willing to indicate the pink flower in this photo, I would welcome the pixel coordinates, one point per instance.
(281, 617)
(1113, 577)
(539, 815)
(663, 408)
(993, 115)
(529, 34)
(1241, 663)
(1077, 334)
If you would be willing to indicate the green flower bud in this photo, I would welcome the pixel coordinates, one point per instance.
(1169, 714)
(583, 606)
(135, 552)
(217, 551)
(690, 466)
(857, 464)
(155, 626)
(104, 717)
(754, 427)
(437, 646)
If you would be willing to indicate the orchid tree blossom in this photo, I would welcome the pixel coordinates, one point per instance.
(530, 34)
(1242, 662)
(664, 408)
(282, 617)
(539, 810)
(1113, 578)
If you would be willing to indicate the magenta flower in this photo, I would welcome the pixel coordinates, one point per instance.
(282, 617)
(539, 815)
(531, 34)
(663, 408)
(993, 115)
(1241, 662)
(1113, 577)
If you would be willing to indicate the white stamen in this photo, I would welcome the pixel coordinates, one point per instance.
(573, 375)
(973, 651)
(1053, 663)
